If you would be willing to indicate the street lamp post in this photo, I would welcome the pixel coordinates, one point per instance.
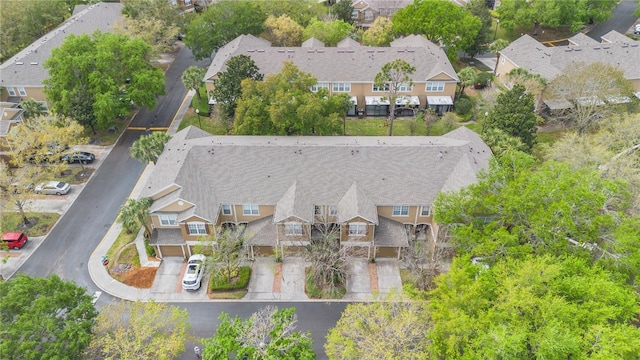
(497, 26)
(198, 113)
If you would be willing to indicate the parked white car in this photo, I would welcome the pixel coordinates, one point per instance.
(195, 271)
(53, 188)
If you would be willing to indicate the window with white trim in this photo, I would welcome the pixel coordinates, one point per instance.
(341, 87)
(11, 91)
(405, 87)
(197, 228)
(380, 88)
(226, 209)
(354, 14)
(333, 210)
(317, 210)
(368, 15)
(250, 209)
(168, 219)
(293, 228)
(425, 210)
(401, 210)
(502, 60)
(320, 85)
(435, 86)
(357, 229)
(22, 91)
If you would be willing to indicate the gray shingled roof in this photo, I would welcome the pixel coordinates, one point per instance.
(550, 62)
(216, 170)
(26, 67)
(356, 203)
(349, 64)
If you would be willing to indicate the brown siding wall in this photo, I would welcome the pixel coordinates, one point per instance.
(387, 212)
(344, 231)
(306, 231)
(170, 250)
(264, 210)
(387, 252)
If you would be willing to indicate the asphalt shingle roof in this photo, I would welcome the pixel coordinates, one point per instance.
(312, 170)
(550, 62)
(349, 63)
(26, 67)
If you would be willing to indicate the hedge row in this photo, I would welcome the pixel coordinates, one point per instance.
(219, 281)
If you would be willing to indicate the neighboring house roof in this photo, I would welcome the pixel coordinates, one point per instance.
(350, 63)
(295, 173)
(549, 62)
(376, 5)
(26, 67)
(10, 114)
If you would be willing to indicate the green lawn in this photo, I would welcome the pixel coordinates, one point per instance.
(43, 222)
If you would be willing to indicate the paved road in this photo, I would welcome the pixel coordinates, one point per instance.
(620, 21)
(68, 246)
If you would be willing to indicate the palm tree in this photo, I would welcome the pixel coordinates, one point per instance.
(33, 108)
(134, 213)
(193, 78)
(149, 147)
(467, 78)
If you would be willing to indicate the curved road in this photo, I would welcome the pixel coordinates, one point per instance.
(70, 243)
(621, 20)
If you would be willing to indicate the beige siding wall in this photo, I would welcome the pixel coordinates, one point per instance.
(164, 192)
(387, 212)
(155, 221)
(503, 68)
(177, 206)
(263, 210)
(636, 84)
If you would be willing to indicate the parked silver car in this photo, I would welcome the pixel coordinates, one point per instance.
(195, 271)
(53, 188)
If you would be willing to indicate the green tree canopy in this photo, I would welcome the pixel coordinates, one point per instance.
(553, 13)
(342, 10)
(156, 22)
(268, 334)
(44, 318)
(392, 77)
(26, 21)
(329, 32)
(282, 31)
(613, 150)
(226, 85)
(114, 69)
(284, 104)
(148, 148)
(222, 22)
(533, 308)
(480, 44)
(520, 208)
(440, 21)
(388, 329)
(302, 12)
(140, 331)
(514, 114)
(380, 33)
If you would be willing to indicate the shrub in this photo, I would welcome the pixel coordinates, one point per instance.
(482, 80)
(219, 281)
(151, 251)
(463, 106)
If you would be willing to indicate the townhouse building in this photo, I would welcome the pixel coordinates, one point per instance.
(376, 193)
(351, 68)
